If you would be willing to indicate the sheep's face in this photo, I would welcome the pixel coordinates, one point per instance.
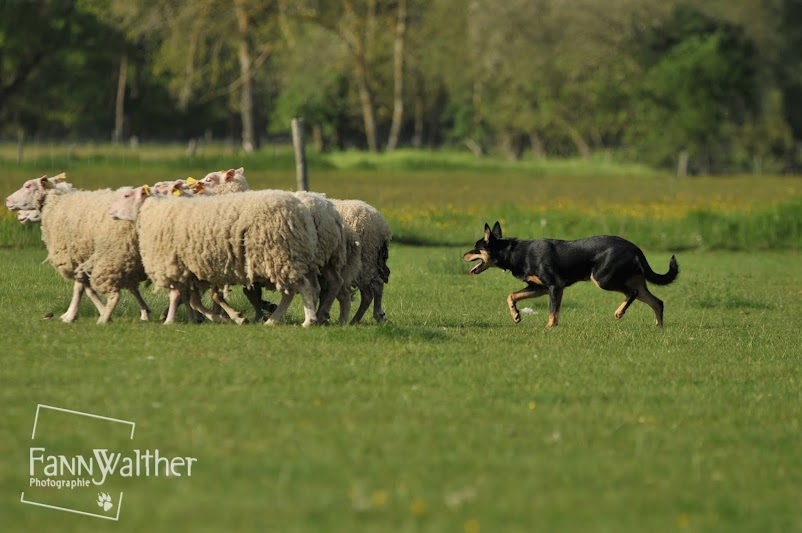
(29, 195)
(126, 206)
(29, 216)
(213, 179)
(26, 197)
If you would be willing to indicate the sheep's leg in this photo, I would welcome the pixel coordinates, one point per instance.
(144, 310)
(366, 296)
(254, 295)
(334, 283)
(175, 301)
(221, 302)
(111, 303)
(344, 297)
(93, 296)
(196, 304)
(72, 311)
(378, 312)
(310, 291)
(286, 300)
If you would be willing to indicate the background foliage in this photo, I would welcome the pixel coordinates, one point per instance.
(716, 83)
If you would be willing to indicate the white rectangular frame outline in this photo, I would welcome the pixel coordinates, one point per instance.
(113, 518)
(90, 415)
(80, 413)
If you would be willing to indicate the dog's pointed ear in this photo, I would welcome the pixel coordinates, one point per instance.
(497, 230)
(488, 233)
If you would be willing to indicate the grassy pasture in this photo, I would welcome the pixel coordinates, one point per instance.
(444, 198)
(450, 417)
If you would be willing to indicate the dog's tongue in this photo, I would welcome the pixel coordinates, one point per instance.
(477, 267)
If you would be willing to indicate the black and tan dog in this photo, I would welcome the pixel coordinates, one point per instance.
(549, 265)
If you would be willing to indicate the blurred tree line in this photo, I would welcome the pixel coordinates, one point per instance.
(711, 86)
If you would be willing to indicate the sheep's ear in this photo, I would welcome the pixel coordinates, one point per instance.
(488, 233)
(199, 188)
(240, 170)
(230, 174)
(176, 189)
(496, 230)
(44, 183)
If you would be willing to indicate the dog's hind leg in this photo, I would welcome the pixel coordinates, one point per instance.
(555, 300)
(531, 291)
(652, 301)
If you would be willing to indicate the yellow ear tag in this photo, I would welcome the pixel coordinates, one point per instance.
(146, 190)
(48, 184)
(176, 192)
(59, 178)
(191, 181)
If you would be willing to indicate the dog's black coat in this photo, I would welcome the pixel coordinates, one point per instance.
(549, 265)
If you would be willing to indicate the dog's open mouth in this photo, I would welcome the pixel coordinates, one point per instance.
(479, 267)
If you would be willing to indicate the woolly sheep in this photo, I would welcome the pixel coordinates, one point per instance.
(330, 255)
(265, 237)
(373, 235)
(84, 245)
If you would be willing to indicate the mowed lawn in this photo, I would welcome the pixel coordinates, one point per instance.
(448, 418)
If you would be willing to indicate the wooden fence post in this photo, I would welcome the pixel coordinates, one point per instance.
(301, 177)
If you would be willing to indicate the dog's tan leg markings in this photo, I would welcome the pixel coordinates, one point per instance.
(534, 279)
(555, 301)
(523, 294)
(652, 301)
(594, 281)
(634, 289)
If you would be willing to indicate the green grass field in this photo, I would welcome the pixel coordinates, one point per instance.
(449, 417)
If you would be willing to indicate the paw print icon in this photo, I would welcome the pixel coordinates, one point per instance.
(104, 501)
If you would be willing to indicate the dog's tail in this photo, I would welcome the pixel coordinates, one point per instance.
(660, 279)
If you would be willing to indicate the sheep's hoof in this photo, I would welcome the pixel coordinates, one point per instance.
(308, 323)
(163, 316)
(270, 322)
(67, 319)
(240, 320)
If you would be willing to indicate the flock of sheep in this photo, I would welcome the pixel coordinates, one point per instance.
(192, 236)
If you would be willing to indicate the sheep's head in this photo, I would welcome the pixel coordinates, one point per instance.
(29, 216)
(126, 206)
(31, 194)
(235, 177)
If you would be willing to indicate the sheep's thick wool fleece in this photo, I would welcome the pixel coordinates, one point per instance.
(330, 230)
(373, 234)
(83, 241)
(238, 238)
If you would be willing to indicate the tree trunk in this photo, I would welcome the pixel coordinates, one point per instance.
(119, 106)
(246, 74)
(398, 76)
(538, 148)
(419, 117)
(354, 38)
(576, 137)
